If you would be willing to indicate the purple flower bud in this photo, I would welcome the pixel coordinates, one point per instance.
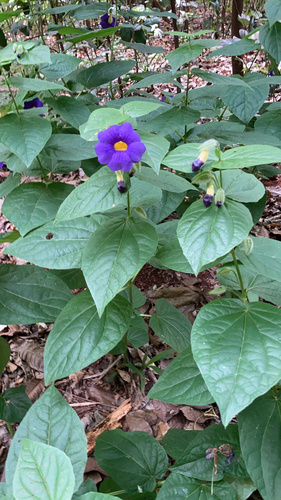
(121, 186)
(34, 103)
(271, 73)
(207, 200)
(1, 164)
(219, 204)
(197, 164)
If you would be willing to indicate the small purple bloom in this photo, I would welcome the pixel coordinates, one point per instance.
(34, 103)
(207, 200)
(121, 186)
(119, 147)
(197, 164)
(104, 21)
(271, 73)
(1, 164)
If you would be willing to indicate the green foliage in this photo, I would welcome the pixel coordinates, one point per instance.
(98, 238)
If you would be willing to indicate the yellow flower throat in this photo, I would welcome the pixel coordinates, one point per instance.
(120, 146)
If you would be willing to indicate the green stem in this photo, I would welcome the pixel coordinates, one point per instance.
(186, 100)
(9, 427)
(220, 178)
(42, 169)
(128, 205)
(244, 293)
(131, 292)
(221, 115)
(11, 93)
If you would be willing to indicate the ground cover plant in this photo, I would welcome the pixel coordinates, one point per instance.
(175, 182)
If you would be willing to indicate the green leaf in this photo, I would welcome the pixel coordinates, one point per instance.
(37, 55)
(171, 256)
(245, 102)
(264, 259)
(98, 194)
(115, 253)
(34, 84)
(58, 246)
(181, 158)
(191, 459)
(211, 77)
(223, 336)
(134, 459)
(89, 35)
(205, 234)
(102, 73)
(137, 333)
(240, 186)
(166, 77)
(30, 295)
(9, 237)
(73, 278)
(89, 337)
(53, 422)
(171, 325)
(176, 441)
(236, 49)
(167, 204)
(91, 11)
(172, 119)
(97, 496)
(182, 383)
(142, 194)
(144, 48)
(5, 352)
(100, 119)
(259, 430)
(248, 156)
(31, 205)
(9, 184)
(3, 489)
(73, 111)
(87, 486)
(139, 108)
(165, 180)
(69, 147)
(43, 472)
(15, 404)
(156, 148)
(269, 123)
(60, 66)
(24, 137)
(184, 54)
(270, 38)
(273, 10)
(8, 14)
(185, 488)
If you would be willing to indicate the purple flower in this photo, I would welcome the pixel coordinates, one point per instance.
(121, 186)
(207, 200)
(119, 147)
(107, 21)
(34, 103)
(271, 73)
(1, 164)
(197, 164)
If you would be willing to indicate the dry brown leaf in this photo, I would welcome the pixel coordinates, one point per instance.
(162, 429)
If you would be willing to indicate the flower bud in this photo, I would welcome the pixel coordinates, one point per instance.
(248, 245)
(208, 198)
(202, 158)
(220, 197)
(223, 271)
(121, 186)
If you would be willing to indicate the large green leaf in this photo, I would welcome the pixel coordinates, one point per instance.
(96, 496)
(211, 77)
(89, 337)
(181, 158)
(34, 84)
(69, 147)
(248, 156)
(156, 148)
(269, 123)
(171, 120)
(234, 345)
(270, 38)
(100, 119)
(51, 421)
(57, 246)
(166, 77)
(184, 54)
(30, 295)
(245, 102)
(43, 472)
(171, 325)
(115, 253)
(24, 137)
(140, 108)
(14, 403)
(265, 258)
(185, 488)
(60, 66)
(182, 383)
(102, 73)
(273, 10)
(205, 234)
(31, 205)
(72, 110)
(5, 352)
(165, 180)
(9, 184)
(98, 194)
(240, 186)
(165, 206)
(134, 459)
(191, 460)
(259, 430)
(237, 48)
(171, 256)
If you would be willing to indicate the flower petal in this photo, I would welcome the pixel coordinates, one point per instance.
(127, 133)
(136, 150)
(104, 152)
(120, 161)
(110, 135)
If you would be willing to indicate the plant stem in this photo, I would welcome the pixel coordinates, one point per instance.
(42, 169)
(9, 427)
(11, 93)
(244, 293)
(186, 100)
(128, 205)
(220, 178)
